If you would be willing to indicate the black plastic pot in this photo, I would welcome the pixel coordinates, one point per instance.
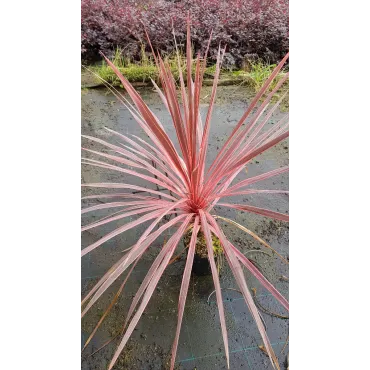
(201, 266)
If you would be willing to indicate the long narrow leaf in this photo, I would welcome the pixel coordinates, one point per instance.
(119, 217)
(241, 227)
(122, 260)
(249, 110)
(170, 248)
(111, 185)
(258, 178)
(150, 119)
(258, 211)
(124, 204)
(184, 288)
(207, 235)
(253, 191)
(113, 302)
(120, 230)
(249, 265)
(240, 279)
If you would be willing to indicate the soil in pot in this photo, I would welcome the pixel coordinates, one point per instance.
(201, 265)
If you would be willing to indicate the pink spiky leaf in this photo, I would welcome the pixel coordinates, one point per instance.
(170, 248)
(184, 288)
(239, 276)
(220, 305)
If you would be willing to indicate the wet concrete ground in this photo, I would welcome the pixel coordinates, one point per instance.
(201, 346)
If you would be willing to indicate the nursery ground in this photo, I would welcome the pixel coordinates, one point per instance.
(201, 345)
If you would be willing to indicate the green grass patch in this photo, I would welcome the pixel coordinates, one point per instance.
(143, 71)
(258, 72)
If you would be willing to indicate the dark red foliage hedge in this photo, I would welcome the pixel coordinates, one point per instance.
(248, 27)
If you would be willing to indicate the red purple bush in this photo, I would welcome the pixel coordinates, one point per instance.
(247, 27)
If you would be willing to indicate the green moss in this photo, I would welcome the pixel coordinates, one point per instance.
(239, 73)
(201, 244)
(217, 247)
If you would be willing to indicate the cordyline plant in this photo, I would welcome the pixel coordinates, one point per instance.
(193, 190)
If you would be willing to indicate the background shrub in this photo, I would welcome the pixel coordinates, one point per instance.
(250, 28)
